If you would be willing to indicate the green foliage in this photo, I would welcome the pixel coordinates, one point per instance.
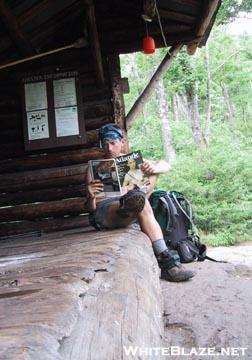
(229, 10)
(146, 128)
(186, 72)
(223, 238)
(217, 179)
(220, 188)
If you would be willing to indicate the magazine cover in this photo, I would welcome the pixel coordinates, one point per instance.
(106, 171)
(130, 173)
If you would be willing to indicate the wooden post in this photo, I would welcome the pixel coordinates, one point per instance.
(94, 42)
(139, 104)
(117, 92)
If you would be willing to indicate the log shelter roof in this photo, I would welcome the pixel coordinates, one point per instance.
(29, 27)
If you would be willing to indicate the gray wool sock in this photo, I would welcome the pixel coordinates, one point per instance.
(159, 246)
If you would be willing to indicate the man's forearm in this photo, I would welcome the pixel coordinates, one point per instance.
(91, 203)
(161, 166)
(151, 185)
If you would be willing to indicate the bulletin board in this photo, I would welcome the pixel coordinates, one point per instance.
(52, 111)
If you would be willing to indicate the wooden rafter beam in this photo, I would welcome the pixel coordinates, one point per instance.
(154, 29)
(94, 41)
(174, 15)
(15, 31)
(125, 7)
(205, 19)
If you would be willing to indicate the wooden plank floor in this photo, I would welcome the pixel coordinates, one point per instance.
(78, 294)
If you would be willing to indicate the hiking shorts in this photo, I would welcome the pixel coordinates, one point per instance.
(97, 218)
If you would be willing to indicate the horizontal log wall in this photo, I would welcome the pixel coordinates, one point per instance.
(45, 190)
(42, 225)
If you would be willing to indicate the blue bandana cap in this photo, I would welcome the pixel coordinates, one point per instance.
(110, 132)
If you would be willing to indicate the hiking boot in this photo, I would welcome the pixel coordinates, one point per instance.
(171, 268)
(168, 259)
(132, 202)
(176, 274)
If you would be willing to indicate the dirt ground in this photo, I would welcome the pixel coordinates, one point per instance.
(212, 311)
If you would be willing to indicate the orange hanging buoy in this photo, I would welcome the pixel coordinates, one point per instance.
(148, 45)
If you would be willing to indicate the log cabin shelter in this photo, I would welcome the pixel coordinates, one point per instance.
(60, 80)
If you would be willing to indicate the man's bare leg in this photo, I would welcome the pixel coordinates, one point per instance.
(149, 224)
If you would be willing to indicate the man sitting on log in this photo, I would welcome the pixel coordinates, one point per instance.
(118, 212)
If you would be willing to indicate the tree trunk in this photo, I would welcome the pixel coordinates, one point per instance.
(192, 99)
(147, 92)
(175, 108)
(169, 151)
(134, 71)
(183, 110)
(230, 108)
(209, 97)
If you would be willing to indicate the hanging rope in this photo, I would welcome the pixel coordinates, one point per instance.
(161, 27)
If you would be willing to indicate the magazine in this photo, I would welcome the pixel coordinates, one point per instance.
(130, 173)
(105, 170)
(119, 175)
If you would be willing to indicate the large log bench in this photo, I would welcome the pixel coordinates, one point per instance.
(78, 294)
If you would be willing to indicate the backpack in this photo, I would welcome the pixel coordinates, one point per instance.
(174, 214)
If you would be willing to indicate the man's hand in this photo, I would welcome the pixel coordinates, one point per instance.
(94, 187)
(148, 167)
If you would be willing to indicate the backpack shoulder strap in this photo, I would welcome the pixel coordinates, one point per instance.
(158, 202)
(166, 207)
(171, 211)
(188, 215)
(167, 203)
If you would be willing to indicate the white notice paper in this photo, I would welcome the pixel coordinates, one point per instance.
(64, 92)
(35, 96)
(37, 122)
(66, 121)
